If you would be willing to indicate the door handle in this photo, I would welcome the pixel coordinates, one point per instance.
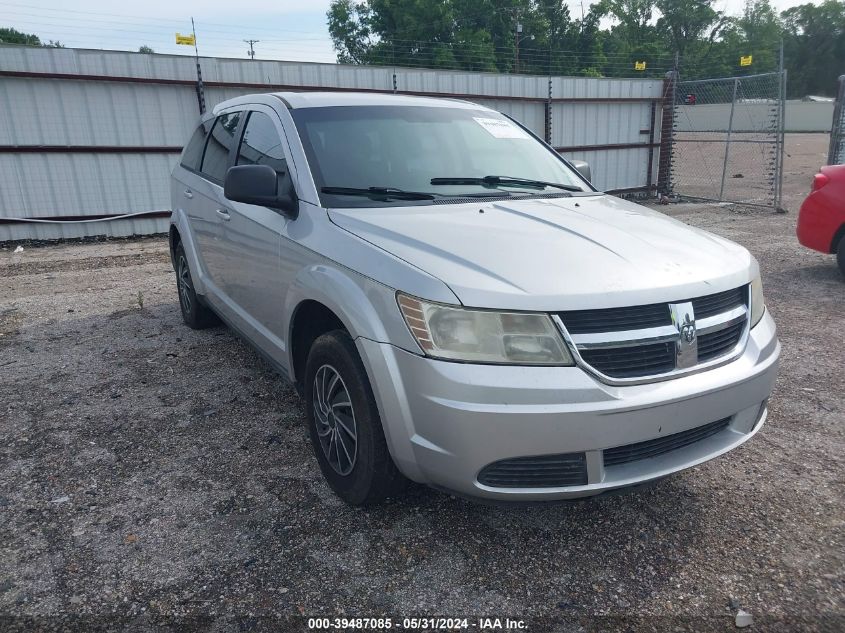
(224, 214)
(189, 193)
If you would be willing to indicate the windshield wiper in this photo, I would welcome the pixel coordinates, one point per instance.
(508, 181)
(379, 193)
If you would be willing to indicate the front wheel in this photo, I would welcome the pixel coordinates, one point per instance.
(344, 423)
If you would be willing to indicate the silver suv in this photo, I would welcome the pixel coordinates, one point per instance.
(458, 305)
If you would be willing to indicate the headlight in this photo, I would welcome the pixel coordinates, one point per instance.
(758, 305)
(483, 336)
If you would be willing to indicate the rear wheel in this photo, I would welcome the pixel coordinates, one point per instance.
(344, 423)
(194, 313)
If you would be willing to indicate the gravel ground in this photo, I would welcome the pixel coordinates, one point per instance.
(151, 476)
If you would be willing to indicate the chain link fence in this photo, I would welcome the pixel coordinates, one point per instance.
(727, 139)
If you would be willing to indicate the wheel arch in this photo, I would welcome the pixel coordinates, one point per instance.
(323, 298)
(173, 239)
(310, 320)
(180, 233)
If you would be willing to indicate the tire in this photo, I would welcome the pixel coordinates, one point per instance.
(346, 432)
(840, 255)
(195, 313)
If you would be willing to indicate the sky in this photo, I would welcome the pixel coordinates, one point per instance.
(285, 29)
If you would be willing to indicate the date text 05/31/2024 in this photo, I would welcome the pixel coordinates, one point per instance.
(418, 624)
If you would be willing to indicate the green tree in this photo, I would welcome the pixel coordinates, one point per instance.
(688, 23)
(814, 47)
(462, 34)
(557, 34)
(633, 35)
(591, 55)
(349, 28)
(481, 35)
(13, 36)
(146, 49)
(757, 32)
(634, 19)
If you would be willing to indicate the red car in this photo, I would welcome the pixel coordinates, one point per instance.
(821, 221)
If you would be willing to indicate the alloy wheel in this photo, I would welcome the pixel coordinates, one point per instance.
(334, 418)
(185, 286)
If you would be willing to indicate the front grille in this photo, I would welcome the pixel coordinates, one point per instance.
(661, 445)
(715, 344)
(642, 341)
(616, 319)
(542, 471)
(718, 303)
(628, 362)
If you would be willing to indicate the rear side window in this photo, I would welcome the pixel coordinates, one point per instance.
(261, 144)
(220, 142)
(192, 154)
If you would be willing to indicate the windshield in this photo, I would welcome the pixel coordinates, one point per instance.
(364, 156)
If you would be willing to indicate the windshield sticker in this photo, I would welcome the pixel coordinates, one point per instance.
(501, 128)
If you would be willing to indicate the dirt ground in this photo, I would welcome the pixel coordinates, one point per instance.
(153, 477)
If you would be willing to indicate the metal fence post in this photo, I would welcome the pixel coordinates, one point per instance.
(649, 179)
(728, 140)
(667, 124)
(836, 151)
(781, 140)
(548, 115)
(200, 88)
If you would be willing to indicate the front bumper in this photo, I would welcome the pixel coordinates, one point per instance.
(446, 421)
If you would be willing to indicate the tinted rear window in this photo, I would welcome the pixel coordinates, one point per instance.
(220, 142)
(192, 155)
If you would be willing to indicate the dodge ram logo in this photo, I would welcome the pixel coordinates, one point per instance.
(686, 346)
(688, 330)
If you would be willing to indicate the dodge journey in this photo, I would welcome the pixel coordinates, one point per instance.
(458, 305)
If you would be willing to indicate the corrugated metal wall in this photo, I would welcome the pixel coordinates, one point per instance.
(87, 134)
(801, 116)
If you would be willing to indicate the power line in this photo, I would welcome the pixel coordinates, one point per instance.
(398, 47)
(205, 36)
(69, 25)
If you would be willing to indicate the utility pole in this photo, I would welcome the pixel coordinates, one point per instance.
(251, 51)
(518, 37)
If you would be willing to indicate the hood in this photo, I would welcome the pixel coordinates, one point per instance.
(554, 254)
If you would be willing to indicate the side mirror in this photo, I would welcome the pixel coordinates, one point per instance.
(583, 168)
(259, 184)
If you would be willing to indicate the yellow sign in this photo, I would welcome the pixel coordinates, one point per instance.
(746, 60)
(639, 65)
(187, 40)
